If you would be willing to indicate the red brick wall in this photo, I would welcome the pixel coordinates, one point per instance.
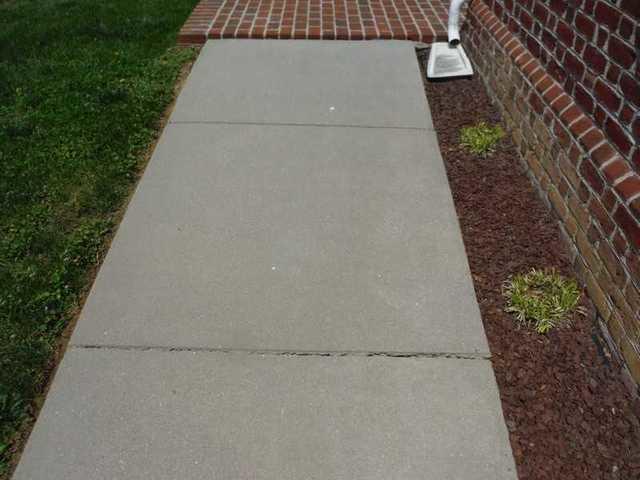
(559, 103)
(591, 47)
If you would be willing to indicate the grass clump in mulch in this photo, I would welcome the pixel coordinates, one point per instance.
(83, 85)
(481, 138)
(542, 300)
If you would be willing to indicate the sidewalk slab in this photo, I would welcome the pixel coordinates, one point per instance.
(140, 415)
(305, 82)
(290, 239)
(288, 295)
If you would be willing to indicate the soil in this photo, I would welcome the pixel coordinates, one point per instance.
(569, 413)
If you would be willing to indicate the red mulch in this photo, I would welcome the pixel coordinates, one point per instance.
(569, 414)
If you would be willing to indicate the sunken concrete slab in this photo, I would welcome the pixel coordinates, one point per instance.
(306, 82)
(138, 415)
(290, 239)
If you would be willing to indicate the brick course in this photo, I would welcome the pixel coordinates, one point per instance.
(557, 71)
(415, 20)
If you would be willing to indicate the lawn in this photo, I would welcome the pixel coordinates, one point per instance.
(83, 84)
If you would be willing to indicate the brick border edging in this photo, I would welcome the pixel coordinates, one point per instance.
(577, 170)
(196, 29)
(412, 20)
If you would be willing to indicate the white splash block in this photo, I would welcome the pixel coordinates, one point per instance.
(448, 61)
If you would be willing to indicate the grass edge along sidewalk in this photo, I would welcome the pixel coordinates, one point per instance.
(83, 87)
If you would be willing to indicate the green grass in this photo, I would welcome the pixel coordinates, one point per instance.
(542, 300)
(482, 138)
(82, 87)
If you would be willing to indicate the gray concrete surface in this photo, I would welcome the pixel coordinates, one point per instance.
(265, 224)
(306, 82)
(289, 238)
(140, 415)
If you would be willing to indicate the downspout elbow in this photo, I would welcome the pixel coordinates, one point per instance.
(454, 19)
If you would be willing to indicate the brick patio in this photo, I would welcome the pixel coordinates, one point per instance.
(417, 20)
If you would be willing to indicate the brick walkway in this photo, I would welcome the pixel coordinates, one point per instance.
(417, 20)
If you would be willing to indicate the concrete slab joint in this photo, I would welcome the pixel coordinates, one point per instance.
(288, 295)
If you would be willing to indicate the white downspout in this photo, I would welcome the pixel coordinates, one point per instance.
(454, 17)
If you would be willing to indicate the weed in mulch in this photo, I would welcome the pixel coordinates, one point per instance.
(482, 138)
(542, 300)
(569, 414)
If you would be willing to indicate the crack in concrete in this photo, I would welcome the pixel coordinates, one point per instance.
(287, 353)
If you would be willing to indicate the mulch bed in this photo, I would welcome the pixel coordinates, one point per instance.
(569, 414)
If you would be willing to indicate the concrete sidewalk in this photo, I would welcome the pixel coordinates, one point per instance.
(288, 295)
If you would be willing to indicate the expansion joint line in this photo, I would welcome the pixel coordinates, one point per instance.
(284, 353)
(286, 124)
